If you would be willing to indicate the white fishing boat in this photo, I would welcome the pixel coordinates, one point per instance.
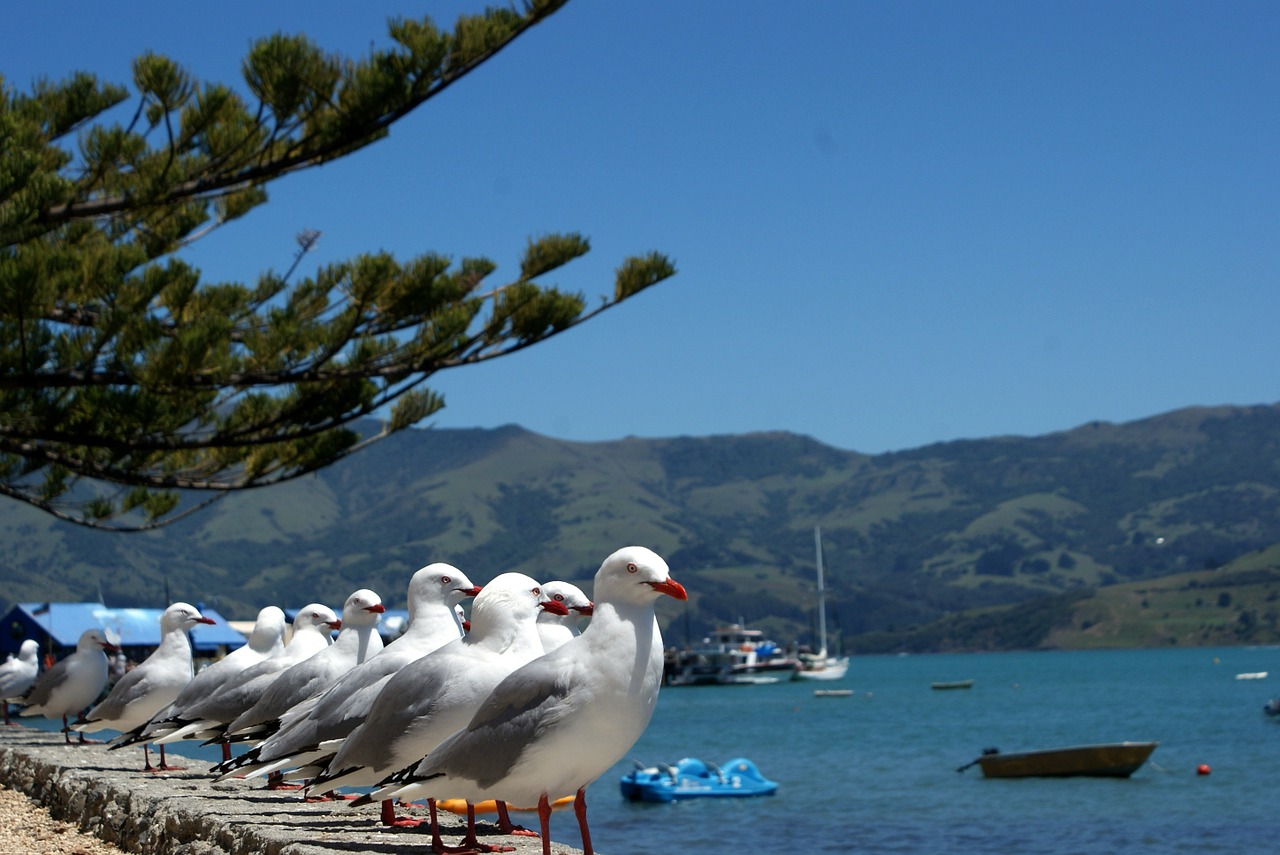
(821, 665)
(736, 656)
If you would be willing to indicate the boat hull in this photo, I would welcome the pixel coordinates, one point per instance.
(944, 685)
(826, 669)
(1113, 760)
(693, 779)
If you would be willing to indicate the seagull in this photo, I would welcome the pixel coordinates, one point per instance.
(208, 717)
(559, 722)
(356, 642)
(434, 592)
(434, 696)
(153, 684)
(72, 683)
(555, 630)
(18, 674)
(266, 640)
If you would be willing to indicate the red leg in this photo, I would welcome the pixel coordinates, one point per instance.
(330, 796)
(470, 839)
(165, 767)
(472, 843)
(580, 809)
(226, 752)
(506, 826)
(275, 781)
(80, 733)
(470, 846)
(437, 845)
(544, 823)
(390, 819)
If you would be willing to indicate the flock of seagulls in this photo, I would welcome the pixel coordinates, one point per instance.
(519, 707)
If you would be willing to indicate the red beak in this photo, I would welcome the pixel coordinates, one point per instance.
(334, 624)
(376, 607)
(585, 611)
(671, 588)
(554, 606)
(207, 620)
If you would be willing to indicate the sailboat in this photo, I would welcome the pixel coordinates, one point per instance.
(821, 665)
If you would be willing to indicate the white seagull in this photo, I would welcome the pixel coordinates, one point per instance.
(310, 732)
(266, 640)
(357, 641)
(559, 722)
(153, 683)
(208, 717)
(72, 683)
(554, 629)
(18, 674)
(434, 696)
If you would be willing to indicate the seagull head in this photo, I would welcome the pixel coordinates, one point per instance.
(576, 603)
(439, 583)
(362, 608)
(636, 573)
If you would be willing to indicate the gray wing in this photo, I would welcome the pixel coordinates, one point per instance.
(524, 707)
(203, 684)
(409, 695)
(42, 691)
(113, 705)
(236, 696)
(340, 708)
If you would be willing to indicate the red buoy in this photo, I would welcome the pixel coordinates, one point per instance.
(1203, 769)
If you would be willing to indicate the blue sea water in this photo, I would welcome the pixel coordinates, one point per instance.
(876, 772)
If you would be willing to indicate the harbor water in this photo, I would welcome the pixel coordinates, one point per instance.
(876, 771)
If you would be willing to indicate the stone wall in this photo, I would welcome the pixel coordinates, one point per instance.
(185, 813)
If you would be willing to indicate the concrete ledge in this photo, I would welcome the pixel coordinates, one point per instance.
(185, 813)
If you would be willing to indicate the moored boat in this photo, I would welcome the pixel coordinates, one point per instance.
(693, 778)
(821, 665)
(951, 684)
(1106, 760)
(733, 655)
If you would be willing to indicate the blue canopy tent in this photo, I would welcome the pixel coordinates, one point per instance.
(58, 626)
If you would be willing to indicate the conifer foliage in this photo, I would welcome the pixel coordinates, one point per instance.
(128, 381)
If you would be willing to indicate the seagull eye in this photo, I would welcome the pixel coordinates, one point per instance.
(537, 592)
(445, 580)
(559, 598)
(632, 568)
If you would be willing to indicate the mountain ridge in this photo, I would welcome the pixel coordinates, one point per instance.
(910, 536)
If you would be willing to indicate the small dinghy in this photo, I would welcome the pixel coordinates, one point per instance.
(692, 778)
(1109, 760)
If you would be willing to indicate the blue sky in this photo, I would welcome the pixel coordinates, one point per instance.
(895, 223)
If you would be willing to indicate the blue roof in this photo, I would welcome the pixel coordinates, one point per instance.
(65, 622)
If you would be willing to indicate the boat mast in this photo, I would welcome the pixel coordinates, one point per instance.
(822, 594)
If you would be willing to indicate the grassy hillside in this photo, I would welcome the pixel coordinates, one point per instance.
(1235, 604)
(910, 537)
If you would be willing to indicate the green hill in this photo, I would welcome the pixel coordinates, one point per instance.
(910, 537)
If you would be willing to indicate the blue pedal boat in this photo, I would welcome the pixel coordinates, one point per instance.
(692, 778)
